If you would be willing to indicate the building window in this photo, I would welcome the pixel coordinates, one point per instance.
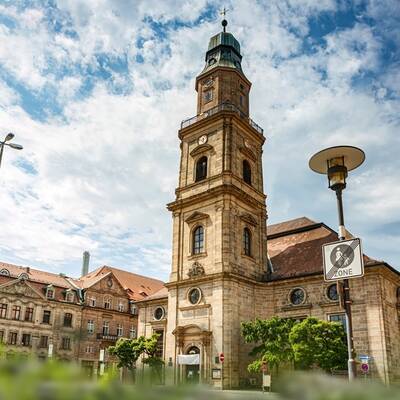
(107, 303)
(29, 314)
(332, 292)
(89, 349)
(66, 343)
(106, 328)
(132, 332)
(198, 240)
(90, 326)
(246, 172)
(208, 96)
(247, 242)
(194, 295)
(120, 307)
(133, 309)
(241, 100)
(26, 339)
(46, 317)
(12, 337)
(341, 318)
(120, 330)
(92, 302)
(50, 292)
(68, 319)
(44, 340)
(16, 312)
(1, 337)
(69, 296)
(297, 296)
(159, 313)
(201, 169)
(3, 310)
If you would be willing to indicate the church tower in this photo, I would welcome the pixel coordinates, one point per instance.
(219, 223)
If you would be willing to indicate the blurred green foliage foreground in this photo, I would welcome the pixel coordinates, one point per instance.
(28, 380)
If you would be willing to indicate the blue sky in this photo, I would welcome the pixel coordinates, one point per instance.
(95, 91)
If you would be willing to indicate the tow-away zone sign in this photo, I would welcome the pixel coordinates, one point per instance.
(343, 260)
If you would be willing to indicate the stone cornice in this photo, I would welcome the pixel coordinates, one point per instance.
(247, 152)
(201, 149)
(196, 216)
(212, 193)
(219, 116)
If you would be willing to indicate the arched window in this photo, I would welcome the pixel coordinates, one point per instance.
(198, 240)
(247, 242)
(201, 169)
(246, 172)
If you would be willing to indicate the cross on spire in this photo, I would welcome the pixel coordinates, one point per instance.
(223, 12)
(224, 21)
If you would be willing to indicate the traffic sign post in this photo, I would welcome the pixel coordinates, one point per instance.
(221, 358)
(343, 260)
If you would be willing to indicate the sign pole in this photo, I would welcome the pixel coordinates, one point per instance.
(347, 300)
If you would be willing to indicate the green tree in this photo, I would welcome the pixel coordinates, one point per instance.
(150, 349)
(127, 351)
(318, 343)
(272, 338)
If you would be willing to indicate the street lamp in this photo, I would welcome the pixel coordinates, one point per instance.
(336, 162)
(3, 143)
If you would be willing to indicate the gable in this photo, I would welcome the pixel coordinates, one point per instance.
(108, 283)
(21, 288)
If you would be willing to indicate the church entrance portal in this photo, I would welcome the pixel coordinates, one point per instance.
(193, 371)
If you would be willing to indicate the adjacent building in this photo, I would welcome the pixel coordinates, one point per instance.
(50, 315)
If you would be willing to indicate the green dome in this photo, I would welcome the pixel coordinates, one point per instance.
(226, 39)
(223, 51)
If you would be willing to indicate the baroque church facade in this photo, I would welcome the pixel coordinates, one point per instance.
(227, 267)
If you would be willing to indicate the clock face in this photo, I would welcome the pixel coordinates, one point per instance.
(202, 139)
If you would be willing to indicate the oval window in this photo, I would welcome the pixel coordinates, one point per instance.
(332, 292)
(194, 295)
(297, 296)
(158, 313)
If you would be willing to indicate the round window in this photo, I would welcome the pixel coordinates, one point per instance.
(158, 313)
(297, 296)
(194, 295)
(332, 292)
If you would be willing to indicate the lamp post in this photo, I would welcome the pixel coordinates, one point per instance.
(336, 162)
(3, 143)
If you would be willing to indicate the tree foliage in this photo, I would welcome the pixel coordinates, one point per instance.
(306, 344)
(272, 337)
(128, 351)
(318, 343)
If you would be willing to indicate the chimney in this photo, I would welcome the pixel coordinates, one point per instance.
(85, 264)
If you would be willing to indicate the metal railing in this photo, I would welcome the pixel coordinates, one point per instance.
(109, 338)
(222, 107)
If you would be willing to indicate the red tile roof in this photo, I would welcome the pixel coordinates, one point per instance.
(138, 286)
(295, 248)
(160, 294)
(36, 275)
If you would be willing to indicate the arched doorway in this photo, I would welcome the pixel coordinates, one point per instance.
(192, 375)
